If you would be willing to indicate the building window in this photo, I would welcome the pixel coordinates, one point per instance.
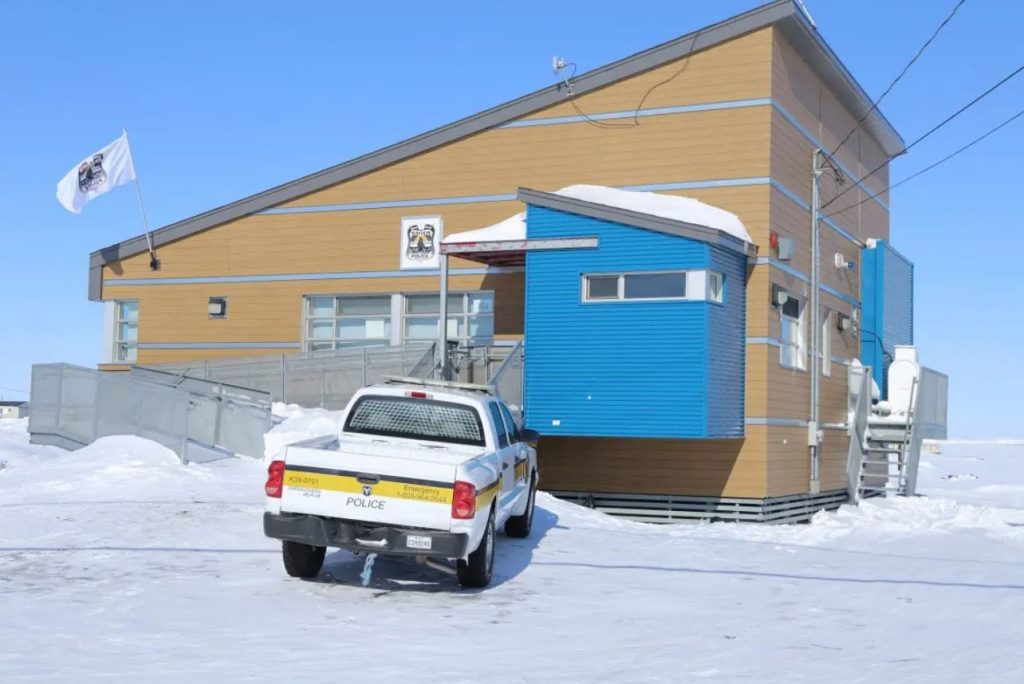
(126, 332)
(826, 343)
(336, 322)
(347, 321)
(634, 286)
(716, 287)
(791, 333)
(470, 316)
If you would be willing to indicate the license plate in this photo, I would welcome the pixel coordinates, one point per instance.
(416, 542)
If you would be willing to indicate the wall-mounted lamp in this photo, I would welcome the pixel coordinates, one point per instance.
(841, 261)
(779, 296)
(843, 323)
(218, 307)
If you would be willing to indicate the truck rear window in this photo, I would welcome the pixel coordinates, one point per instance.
(426, 419)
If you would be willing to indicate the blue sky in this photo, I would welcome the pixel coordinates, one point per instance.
(223, 99)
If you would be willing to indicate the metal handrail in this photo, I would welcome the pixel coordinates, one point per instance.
(857, 434)
(510, 359)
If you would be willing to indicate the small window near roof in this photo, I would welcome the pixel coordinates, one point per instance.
(716, 287)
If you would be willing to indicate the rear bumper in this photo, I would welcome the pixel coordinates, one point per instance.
(356, 536)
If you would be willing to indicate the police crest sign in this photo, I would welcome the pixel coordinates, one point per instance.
(421, 242)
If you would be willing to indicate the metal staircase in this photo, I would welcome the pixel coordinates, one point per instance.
(887, 459)
(885, 440)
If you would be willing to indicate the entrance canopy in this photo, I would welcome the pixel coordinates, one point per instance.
(505, 243)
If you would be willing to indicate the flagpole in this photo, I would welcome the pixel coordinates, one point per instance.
(154, 263)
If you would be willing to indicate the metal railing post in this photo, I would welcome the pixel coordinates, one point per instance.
(365, 361)
(323, 385)
(60, 399)
(284, 379)
(96, 408)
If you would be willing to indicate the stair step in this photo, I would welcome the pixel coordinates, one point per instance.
(881, 489)
(898, 462)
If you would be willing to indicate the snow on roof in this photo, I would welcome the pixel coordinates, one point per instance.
(512, 228)
(673, 207)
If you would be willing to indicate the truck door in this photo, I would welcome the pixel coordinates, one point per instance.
(520, 449)
(507, 457)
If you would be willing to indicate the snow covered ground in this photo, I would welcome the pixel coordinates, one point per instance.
(117, 564)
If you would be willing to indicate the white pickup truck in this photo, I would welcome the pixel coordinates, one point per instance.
(421, 468)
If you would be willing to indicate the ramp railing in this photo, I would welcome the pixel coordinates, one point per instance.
(860, 410)
(315, 379)
(508, 379)
(78, 405)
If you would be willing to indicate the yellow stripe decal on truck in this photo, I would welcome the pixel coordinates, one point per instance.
(486, 495)
(350, 485)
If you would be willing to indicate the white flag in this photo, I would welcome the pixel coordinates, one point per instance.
(96, 174)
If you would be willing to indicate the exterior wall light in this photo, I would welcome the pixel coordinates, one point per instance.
(218, 307)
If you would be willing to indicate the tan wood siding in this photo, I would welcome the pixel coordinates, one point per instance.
(733, 467)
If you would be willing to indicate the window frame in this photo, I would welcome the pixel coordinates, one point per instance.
(515, 434)
(504, 438)
(133, 347)
(353, 412)
(720, 299)
(621, 298)
(800, 323)
(336, 317)
(463, 318)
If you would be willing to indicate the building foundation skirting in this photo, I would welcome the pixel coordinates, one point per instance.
(663, 508)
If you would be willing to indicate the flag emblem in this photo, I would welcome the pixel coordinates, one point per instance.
(99, 173)
(91, 174)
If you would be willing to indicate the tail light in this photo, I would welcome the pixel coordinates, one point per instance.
(275, 480)
(464, 501)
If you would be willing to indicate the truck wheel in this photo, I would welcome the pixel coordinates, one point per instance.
(519, 525)
(302, 560)
(475, 572)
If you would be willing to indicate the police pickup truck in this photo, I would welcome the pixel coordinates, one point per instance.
(421, 468)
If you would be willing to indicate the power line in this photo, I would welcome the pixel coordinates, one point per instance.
(13, 389)
(636, 112)
(935, 128)
(932, 166)
(874, 105)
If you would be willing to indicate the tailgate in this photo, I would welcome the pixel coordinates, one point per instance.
(380, 487)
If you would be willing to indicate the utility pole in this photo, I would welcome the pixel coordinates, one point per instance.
(813, 432)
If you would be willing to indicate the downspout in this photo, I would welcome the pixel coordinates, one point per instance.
(813, 434)
(442, 324)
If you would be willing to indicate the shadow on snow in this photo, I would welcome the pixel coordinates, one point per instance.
(398, 573)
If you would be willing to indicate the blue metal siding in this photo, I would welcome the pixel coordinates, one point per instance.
(626, 369)
(887, 291)
(871, 294)
(727, 351)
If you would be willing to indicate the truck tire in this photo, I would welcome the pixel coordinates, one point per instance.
(519, 526)
(475, 572)
(302, 560)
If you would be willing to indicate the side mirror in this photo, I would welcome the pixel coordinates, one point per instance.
(529, 436)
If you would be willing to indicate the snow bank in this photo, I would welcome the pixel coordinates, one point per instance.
(674, 207)
(512, 228)
(298, 424)
(115, 468)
